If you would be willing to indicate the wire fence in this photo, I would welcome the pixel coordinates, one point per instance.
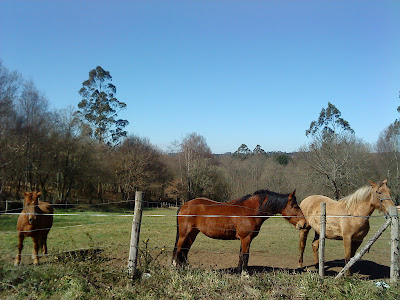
(149, 204)
(275, 246)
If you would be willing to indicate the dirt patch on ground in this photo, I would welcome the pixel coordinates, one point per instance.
(259, 262)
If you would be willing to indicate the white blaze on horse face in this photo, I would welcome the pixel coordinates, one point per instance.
(31, 204)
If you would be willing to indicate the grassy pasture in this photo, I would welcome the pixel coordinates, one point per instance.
(276, 245)
(274, 250)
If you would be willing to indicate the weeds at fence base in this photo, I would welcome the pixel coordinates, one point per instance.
(93, 254)
(150, 258)
(91, 279)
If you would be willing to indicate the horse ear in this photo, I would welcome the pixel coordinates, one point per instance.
(38, 194)
(373, 184)
(292, 194)
(385, 182)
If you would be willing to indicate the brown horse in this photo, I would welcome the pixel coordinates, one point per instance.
(34, 222)
(353, 226)
(239, 219)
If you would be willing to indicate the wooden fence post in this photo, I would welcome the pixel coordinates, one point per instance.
(394, 261)
(322, 241)
(135, 233)
(6, 206)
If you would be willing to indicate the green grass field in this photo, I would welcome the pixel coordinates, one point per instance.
(275, 249)
(277, 243)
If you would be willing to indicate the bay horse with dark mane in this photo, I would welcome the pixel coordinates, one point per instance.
(239, 219)
(35, 220)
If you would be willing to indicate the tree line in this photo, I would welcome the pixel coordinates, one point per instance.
(85, 155)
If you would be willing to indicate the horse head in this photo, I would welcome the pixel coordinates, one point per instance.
(381, 198)
(293, 213)
(31, 205)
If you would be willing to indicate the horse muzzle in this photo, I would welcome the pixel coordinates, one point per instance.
(302, 224)
(32, 220)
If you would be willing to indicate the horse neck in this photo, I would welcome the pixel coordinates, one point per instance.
(364, 208)
(252, 204)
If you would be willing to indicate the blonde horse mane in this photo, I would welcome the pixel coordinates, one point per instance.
(359, 196)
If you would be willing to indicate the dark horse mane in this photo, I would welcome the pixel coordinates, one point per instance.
(275, 204)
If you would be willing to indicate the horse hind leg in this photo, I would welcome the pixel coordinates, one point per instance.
(182, 247)
(21, 238)
(36, 243)
(176, 256)
(302, 244)
(188, 243)
(355, 244)
(43, 245)
(39, 245)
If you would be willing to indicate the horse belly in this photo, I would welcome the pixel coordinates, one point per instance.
(221, 228)
(333, 228)
(333, 235)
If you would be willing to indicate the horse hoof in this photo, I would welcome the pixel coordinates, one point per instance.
(244, 274)
(17, 263)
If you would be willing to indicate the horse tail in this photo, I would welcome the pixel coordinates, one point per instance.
(177, 233)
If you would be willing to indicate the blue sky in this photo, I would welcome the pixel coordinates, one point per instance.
(253, 72)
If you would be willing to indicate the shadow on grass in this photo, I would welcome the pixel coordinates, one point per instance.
(363, 268)
(366, 268)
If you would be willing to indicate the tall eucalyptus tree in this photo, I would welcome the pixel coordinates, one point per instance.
(99, 107)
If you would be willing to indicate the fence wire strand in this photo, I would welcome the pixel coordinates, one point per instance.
(167, 248)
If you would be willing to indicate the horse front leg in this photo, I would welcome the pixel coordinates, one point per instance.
(302, 244)
(244, 254)
(355, 244)
(21, 238)
(240, 264)
(347, 243)
(315, 246)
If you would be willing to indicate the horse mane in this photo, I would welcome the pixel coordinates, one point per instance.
(276, 202)
(359, 196)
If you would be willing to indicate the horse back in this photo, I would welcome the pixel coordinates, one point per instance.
(312, 205)
(46, 207)
(205, 206)
(196, 206)
(45, 221)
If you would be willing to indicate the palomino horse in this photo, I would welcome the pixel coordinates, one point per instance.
(239, 219)
(34, 222)
(353, 226)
